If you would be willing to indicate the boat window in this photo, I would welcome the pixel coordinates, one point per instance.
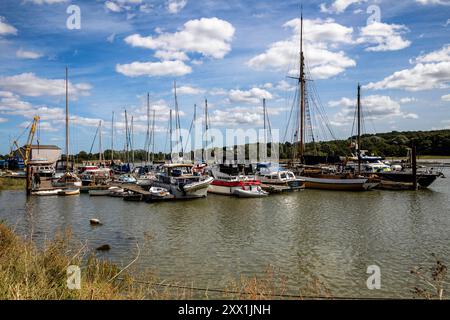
(283, 175)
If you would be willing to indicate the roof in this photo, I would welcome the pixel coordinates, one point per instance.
(45, 146)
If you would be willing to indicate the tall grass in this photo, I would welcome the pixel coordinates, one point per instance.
(12, 184)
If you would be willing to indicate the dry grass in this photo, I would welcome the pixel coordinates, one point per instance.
(12, 184)
(30, 273)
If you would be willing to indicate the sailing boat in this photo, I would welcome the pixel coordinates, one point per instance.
(69, 179)
(317, 178)
(375, 168)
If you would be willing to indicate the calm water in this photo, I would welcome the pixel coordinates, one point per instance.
(330, 235)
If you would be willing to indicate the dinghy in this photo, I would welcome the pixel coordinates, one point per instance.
(251, 192)
(69, 192)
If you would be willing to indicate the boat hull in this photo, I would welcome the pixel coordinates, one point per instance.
(338, 184)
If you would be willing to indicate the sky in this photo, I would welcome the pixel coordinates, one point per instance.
(233, 53)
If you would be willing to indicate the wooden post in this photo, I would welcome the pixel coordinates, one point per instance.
(29, 184)
(414, 165)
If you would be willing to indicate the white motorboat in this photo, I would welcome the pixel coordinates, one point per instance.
(68, 179)
(47, 192)
(158, 192)
(179, 180)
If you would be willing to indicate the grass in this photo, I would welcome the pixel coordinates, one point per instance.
(12, 184)
(31, 273)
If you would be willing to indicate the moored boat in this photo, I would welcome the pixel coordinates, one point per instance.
(44, 193)
(69, 192)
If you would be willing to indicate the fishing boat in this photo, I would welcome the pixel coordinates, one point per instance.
(273, 176)
(69, 192)
(179, 180)
(45, 193)
(229, 178)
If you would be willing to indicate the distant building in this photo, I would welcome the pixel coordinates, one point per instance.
(42, 153)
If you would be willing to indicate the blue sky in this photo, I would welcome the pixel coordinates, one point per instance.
(232, 52)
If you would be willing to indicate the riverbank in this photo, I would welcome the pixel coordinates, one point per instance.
(11, 184)
(30, 273)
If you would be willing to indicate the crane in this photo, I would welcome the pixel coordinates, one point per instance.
(25, 155)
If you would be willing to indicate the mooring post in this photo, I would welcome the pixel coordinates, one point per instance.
(29, 179)
(414, 165)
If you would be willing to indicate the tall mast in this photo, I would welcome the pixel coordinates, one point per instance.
(177, 117)
(100, 149)
(126, 138)
(264, 111)
(302, 94)
(206, 127)
(170, 134)
(153, 138)
(358, 150)
(67, 119)
(147, 147)
(112, 138)
(132, 139)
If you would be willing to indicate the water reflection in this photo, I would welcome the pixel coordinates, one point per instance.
(331, 235)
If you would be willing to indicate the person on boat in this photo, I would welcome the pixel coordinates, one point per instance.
(37, 180)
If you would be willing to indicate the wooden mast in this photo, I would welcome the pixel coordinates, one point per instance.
(67, 119)
(358, 150)
(302, 95)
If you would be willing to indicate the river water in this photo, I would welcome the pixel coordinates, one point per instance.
(332, 236)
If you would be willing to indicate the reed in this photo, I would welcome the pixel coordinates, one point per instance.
(31, 273)
(12, 184)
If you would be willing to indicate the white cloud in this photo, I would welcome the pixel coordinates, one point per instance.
(5, 28)
(210, 37)
(23, 54)
(175, 6)
(283, 85)
(321, 39)
(111, 6)
(442, 2)
(407, 100)
(122, 5)
(442, 55)
(254, 95)
(446, 98)
(29, 84)
(383, 37)
(375, 107)
(165, 68)
(171, 55)
(432, 71)
(3, 120)
(145, 8)
(239, 116)
(421, 77)
(339, 6)
(189, 90)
